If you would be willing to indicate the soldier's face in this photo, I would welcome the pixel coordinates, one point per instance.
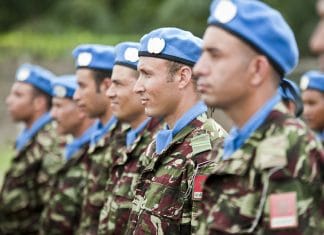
(316, 40)
(124, 102)
(90, 100)
(20, 102)
(313, 109)
(67, 115)
(222, 69)
(157, 90)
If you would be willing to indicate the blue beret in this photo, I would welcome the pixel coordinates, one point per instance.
(127, 54)
(171, 44)
(312, 80)
(290, 91)
(36, 76)
(261, 27)
(94, 56)
(64, 86)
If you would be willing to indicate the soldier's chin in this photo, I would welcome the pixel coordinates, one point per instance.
(209, 101)
(150, 112)
(17, 119)
(61, 131)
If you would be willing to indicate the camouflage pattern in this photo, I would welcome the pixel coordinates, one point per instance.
(61, 215)
(165, 202)
(94, 192)
(26, 184)
(121, 183)
(280, 156)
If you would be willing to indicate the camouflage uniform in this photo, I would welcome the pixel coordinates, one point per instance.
(94, 192)
(120, 186)
(165, 202)
(25, 188)
(62, 213)
(280, 156)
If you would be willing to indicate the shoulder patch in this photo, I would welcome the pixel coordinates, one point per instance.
(200, 143)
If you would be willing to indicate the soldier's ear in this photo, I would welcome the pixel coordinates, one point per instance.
(184, 74)
(259, 70)
(40, 103)
(105, 85)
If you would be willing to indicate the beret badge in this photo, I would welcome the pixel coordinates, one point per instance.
(225, 11)
(304, 81)
(23, 74)
(155, 45)
(60, 91)
(131, 54)
(84, 59)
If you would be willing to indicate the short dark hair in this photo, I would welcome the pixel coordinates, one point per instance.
(99, 76)
(37, 92)
(174, 67)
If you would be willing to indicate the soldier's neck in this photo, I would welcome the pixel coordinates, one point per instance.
(82, 127)
(186, 103)
(244, 109)
(106, 116)
(36, 115)
(137, 121)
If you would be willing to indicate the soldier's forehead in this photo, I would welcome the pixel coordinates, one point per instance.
(22, 85)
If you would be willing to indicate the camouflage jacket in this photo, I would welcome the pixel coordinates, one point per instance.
(26, 184)
(167, 194)
(61, 215)
(281, 156)
(121, 183)
(94, 192)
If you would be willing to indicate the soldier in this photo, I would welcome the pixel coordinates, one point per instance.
(126, 106)
(312, 84)
(291, 97)
(37, 157)
(61, 214)
(316, 41)
(267, 180)
(168, 190)
(94, 67)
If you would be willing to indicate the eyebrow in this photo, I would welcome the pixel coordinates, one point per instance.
(117, 81)
(147, 69)
(211, 49)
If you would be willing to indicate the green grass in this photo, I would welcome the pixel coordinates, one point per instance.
(6, 154)
(49, 46)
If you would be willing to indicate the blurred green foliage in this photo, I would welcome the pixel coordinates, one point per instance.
(107, 17)
(49, 46)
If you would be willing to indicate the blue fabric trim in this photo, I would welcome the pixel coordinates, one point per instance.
(133, 133)
(320, 136)
(27, 134)
(237, 137)
(164, 137)
(102, 130)
(78, 143)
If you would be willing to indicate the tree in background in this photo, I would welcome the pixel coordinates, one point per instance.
(135, 16)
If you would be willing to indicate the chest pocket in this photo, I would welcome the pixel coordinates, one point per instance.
(25, 167)
(20, 186)
(234, 187)
(125, 186)
(167, 190)
(238, 164)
